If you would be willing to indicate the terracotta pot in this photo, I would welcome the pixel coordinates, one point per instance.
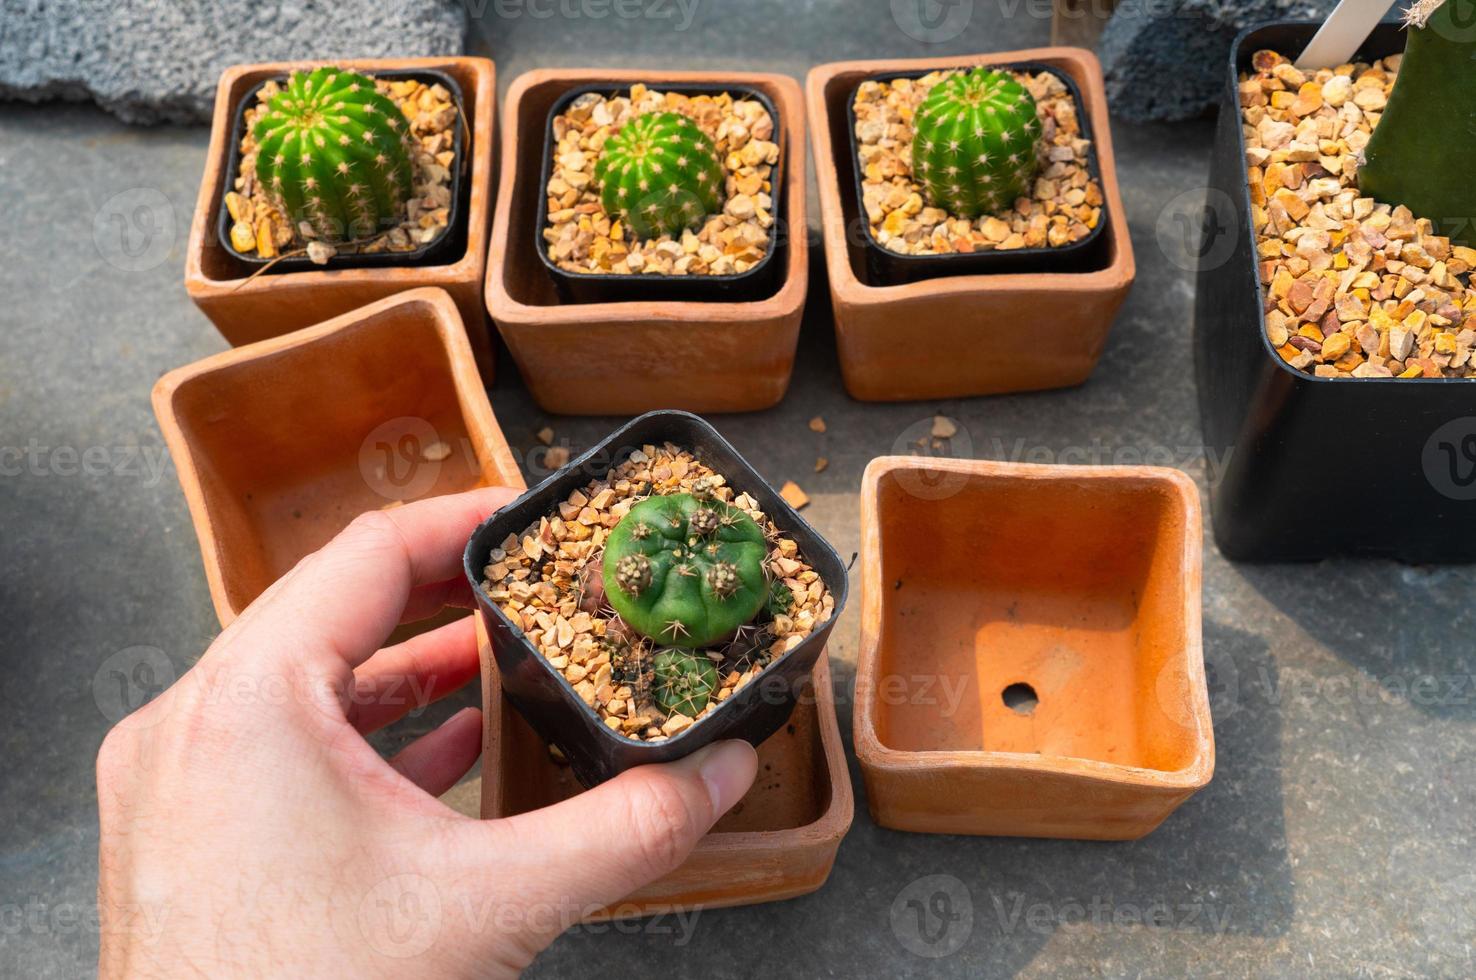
(1413, 440)
(693, 355)
(961, 335)
(778, 842)
(984, 585)
(274, 304)
(280, 443)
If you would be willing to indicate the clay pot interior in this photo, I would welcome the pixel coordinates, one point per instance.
(291, 445)
(1066, 593)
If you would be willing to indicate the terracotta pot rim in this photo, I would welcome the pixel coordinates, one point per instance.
(789, 297)
(212, 192)
(873, 753)
(843, 279)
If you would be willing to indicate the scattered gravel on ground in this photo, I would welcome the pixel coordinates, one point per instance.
(547, 581)
(259, 226)
(1065, 205)
(581, 237)
(1353, 287)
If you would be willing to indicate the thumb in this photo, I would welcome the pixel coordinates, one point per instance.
(591, 851)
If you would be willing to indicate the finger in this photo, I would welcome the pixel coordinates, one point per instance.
(593, 850)
(412, 674)
(339, 603)
(427, 600)
(436, 760)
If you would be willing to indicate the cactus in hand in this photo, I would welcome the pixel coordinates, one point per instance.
(973, 143)
(1420, 152)
(685, 681)
(686, 572)
(660, 174)
(334, 153)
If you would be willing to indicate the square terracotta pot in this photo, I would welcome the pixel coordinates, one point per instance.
(778, 842)
(957, 336)
(631, 357)
(986, 586)
(271, 305)
(280, 443)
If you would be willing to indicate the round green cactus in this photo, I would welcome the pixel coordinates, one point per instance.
(334, 152)
(660, 174)
(685, 681)
(684, 571)
(973, 143)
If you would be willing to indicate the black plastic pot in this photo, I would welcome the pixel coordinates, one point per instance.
(885, 267)
(1317, 467)
(446, 248)
(542, 695)
(757, 283)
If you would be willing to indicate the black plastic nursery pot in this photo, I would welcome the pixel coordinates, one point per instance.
(602, 287)
(548, 701)
(451, 242)
(1316, 467)
(885, 267)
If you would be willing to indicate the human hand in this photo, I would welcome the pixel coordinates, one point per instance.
(248, 828)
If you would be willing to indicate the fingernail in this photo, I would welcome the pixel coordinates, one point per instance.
(727, 769)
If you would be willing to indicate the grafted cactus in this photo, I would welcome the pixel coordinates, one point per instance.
(685, 681)
(334, 153)
(686, 572)
(1420, 152)
(659, 173)
(974, 142)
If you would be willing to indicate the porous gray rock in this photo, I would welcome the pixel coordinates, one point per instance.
(1164, 60)
(150, 61)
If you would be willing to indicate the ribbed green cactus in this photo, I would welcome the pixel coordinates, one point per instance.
(685, 681)
(660, 174)
(973, 143)
(1421, 151)
(334, 153)
(684, 571)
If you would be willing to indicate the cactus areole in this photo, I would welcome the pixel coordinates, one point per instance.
(1420, 154)
(685, 572)
(333, 152)
(974, 142)
(659, 174)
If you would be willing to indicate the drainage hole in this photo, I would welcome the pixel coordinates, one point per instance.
(1020, 698)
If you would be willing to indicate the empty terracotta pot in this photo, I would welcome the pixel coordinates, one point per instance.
(1031, 661)
(778, 842)
(625, 358)
(273, 304)
(961, 335)
(280, 443)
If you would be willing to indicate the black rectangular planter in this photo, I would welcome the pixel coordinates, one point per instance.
(548, 701)
(451, 242)
(885, 267)
(756, 283)
(1317, 467)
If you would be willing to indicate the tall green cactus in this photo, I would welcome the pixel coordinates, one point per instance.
(974, 140)
(660, 174)
(1421, 152)
(685, 572)
(334, 153)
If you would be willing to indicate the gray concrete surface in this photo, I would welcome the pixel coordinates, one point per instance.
(1336, 838)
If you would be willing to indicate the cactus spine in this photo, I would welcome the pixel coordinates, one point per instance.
(660, 174)
(974, 142)
(334, 153)
(684, 682)
(1420, 153)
